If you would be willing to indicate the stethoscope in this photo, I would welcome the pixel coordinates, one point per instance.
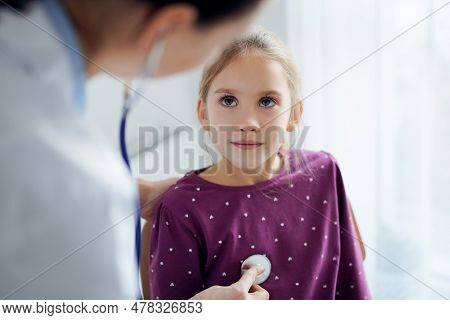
(258, 260)
(131, 97)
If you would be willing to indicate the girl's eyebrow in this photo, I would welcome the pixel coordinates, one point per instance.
(270, 92)
(225, 90)
(262, 93)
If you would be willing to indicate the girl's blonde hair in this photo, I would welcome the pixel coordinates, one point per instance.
(260, 42)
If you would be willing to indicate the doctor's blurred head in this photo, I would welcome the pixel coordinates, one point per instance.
(117, 35)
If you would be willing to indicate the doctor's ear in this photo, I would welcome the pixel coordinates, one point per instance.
(202, 114)
(165, 20)
(296, 114)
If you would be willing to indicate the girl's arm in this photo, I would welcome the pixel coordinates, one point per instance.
(149, 194)
(351, 279)
(176, 255)
(145, 253)
(361, 244)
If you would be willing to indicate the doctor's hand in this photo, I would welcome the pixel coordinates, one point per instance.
(149, 193)
(244, 289)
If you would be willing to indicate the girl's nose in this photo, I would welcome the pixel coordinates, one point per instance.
(249, 128)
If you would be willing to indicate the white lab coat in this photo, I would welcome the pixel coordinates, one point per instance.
(61, 185)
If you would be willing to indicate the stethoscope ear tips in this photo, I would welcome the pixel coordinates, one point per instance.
(258, 260)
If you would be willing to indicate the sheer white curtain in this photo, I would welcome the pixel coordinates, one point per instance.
(387, 121)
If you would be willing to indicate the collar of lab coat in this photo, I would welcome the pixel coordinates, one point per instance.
(68, 37)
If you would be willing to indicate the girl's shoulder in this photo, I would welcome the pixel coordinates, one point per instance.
(316, 171)
(311, 162)
(183, 195)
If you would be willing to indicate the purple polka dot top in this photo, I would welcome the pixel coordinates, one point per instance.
(300, 220)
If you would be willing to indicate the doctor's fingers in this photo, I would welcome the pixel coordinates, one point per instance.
(248, 278)
(258, 293)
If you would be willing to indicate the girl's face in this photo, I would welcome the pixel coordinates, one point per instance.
(248, 111)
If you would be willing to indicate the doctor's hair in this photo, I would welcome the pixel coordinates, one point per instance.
(209, 11)
(261, 43)
(15, 4)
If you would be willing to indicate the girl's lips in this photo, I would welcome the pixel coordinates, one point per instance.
(246, 144)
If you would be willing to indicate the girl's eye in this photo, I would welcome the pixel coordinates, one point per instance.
(267, 102)
(229, 101)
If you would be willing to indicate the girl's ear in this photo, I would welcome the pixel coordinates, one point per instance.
(296, 114)
(202, 114)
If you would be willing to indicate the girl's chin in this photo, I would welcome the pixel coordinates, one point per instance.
(253, 164)
(248, 165)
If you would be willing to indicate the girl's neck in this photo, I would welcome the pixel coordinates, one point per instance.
(224, 173)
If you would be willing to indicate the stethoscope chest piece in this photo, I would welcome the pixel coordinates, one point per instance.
(258, 260)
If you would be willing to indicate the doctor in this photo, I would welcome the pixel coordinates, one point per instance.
(67, 201)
